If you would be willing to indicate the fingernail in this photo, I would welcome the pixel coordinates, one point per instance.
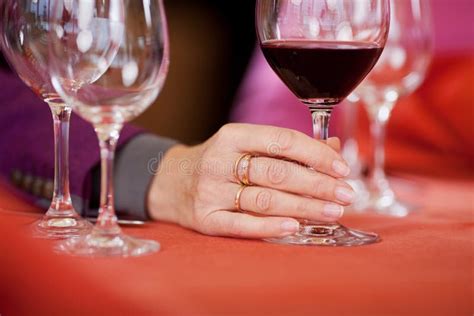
(341, 168)
(333, 210)
(290, 227)
(344, 195)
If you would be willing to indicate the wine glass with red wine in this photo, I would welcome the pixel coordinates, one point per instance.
(322, 50)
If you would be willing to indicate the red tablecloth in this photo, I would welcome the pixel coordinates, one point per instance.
(423, 266)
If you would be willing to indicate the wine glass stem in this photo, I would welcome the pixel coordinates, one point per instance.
(378, 133)
(61, 202)
(108, 136)
(321, 119)
(378, 130)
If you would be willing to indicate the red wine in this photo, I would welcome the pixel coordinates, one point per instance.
(325, 72)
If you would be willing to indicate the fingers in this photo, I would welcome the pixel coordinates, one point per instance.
(270, 214)
(235, 224)
(290, 177)
(290, 144)
(271, 202)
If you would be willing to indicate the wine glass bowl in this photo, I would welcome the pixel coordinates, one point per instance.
(24, 40)
(129, 72)
(295, 62)
(110, 59)
(322, 49)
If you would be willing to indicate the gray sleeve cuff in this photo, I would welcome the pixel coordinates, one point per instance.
(135, 165)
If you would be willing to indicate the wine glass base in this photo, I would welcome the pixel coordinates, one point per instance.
(390, 206)
(61, 226)
(107, 245)
(327, 234)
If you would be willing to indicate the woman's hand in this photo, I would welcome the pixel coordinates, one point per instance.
(196, 188)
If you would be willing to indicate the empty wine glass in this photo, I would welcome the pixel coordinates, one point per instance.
(322, 49)
(400, 71)
(24, 41)
(109, 58)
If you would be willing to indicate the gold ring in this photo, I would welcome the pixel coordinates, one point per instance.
(237, 198)
(245, 163)
(242, 167)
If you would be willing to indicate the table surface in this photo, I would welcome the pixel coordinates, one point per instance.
(423, 266)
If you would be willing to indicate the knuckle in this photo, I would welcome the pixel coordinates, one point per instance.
(322, 157)
(317, 162)
(235, 227)
(281, 141)
(225, 131)
(208, 226)
(325, 187)
(263, 201)
(318, 186)
(276, 174)
(323, 164)
(226, 128)
(205, 227)
(303, 209)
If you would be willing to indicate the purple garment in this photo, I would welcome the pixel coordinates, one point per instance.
(264, 99)
(26, 138)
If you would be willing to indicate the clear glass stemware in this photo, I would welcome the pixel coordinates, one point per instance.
(110, 59)
(399, 72)
(322, 49)
(24, 41)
